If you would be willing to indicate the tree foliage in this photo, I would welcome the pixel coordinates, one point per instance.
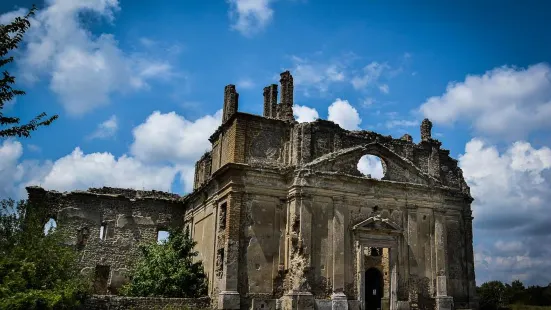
(37, 271)
(168, 269)
(496, 295)
(11, 36)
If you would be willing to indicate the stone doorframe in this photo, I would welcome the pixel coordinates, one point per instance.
(380, 233)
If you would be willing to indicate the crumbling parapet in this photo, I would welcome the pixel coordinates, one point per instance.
(231, 102)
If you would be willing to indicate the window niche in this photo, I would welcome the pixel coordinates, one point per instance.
(50, 226)
(162, 236)
(103, 231)
(222, 216)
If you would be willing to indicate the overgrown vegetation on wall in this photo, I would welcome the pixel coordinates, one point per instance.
(495, 295)
(168, 270)
(37, 271)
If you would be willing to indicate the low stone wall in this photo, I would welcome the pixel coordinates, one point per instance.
(111, 302)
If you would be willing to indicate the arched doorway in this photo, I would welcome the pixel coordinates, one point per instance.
(373, 289)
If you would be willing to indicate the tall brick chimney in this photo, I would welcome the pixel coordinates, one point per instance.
(270, 101)
(231, 101)
(286, 105)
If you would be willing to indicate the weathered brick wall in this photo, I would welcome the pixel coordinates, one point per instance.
(107, 302)
(126, 223)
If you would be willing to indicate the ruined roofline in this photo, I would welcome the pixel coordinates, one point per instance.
(113, 192)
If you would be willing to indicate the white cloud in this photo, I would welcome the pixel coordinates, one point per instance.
(83, 69)
(370, 75)
(10, 152)
(401, 123)
(245, 83)
(506, 102)
(9, 17)
(312, 77)
(344, 114)
(106, 129)
(384, 88)
(250, 17)
(81, 171)
(371, 165)
(305, 114)
(511, 191)
(172, 138)
(164, 145)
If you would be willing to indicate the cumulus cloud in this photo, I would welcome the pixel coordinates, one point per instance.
(344, 114)
(106, 129)
(83, 69)
(81, 171)
(506, 102)
(305, 114)
(511, 210)
(171, 138)
(250, 17)
(371, 165)
(164, 146)
(10, 152)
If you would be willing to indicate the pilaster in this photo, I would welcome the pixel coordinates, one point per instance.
(229, 298)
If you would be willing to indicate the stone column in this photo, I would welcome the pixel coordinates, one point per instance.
(443, 301)
(393, 263)
(473, 299)
(338, 297)
(299, 250)
(229, 297)
(412, 242)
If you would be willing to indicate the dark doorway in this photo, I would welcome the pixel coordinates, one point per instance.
(373, 289)
(101, 277)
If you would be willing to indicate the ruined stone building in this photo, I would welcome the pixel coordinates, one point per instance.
(284, 219)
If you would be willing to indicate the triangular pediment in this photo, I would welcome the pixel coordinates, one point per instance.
(377, 223)
(395, 167)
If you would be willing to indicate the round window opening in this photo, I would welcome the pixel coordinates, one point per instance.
(371, 166)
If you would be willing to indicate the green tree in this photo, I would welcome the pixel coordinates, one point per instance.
(492, 295)
(11, 36)
(37, 271)
(168, 269)
(514, 293)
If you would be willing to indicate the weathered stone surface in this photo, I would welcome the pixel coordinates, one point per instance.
(99, 302)
(284, 220)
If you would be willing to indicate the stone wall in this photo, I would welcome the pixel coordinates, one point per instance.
(109, 302)
(107, 226)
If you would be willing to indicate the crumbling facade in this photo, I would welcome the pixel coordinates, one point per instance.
(283, 219)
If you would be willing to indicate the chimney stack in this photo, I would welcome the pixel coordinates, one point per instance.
(426, 127)
(270, 101)
(231, 101)
(286, 105)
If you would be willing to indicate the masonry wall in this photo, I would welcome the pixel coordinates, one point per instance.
(108, 302)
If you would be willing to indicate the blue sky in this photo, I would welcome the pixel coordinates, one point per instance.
(139, 84)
